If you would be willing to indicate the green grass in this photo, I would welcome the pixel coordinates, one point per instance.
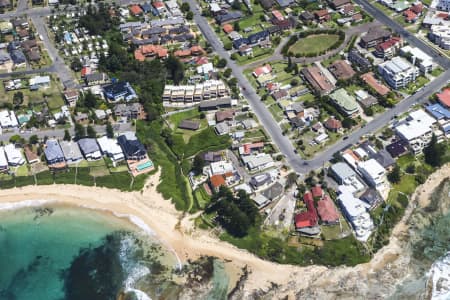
(314, 44)
(276, 112)
(201, 197)
(436, 72)
(414, 86)
(258, 55)
(176, 119)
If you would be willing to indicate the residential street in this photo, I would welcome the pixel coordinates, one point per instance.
(270, 125)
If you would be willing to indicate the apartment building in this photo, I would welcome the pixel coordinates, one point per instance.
(372, 172)
(319, 82)
(190, 94)
(422, 60)
(398, 72)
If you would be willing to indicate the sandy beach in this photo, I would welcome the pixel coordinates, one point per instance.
(177, 231)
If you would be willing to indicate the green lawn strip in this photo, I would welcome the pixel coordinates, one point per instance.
(347, 251)
(202, 199)
(176, 119)
(206, 140)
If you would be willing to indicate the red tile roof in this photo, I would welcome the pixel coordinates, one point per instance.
(277, 15)
(182, 53)
(266, 69)
(136, 10)
(417, 8)
(373, 83)
(317, 191)
(333, 124)
(158, 4)
(248, 148)
(197, 50)
(444, 97)
(85, 71)
(321, 13)
(201, 60)
(409, 15)
(327, 210)
(308, 218)
(227, 28)
(217, 181)
(389, 43)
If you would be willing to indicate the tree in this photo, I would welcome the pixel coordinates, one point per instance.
(236, 26)
(76, 65)
(80, 131)
(411, 168)
(17, 99)
(395, 175)
(294, 82)
(67, 136)
(198, 164)
(33, 140)
(222, 63)
(228, 46)
(89, 100)
(227, 73)
(15, 139)
(90, 131)
(185, 7)
(175, 69)
(434, 153)
(109, 130)
(189, 15)
(347, 123)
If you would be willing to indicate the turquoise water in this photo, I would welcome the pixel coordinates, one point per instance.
(37, 246)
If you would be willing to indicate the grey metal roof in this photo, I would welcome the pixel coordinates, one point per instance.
(342, 170)
(53, 150)
(70, 150)
(88, 145)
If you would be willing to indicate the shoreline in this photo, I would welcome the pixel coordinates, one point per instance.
(176, 231)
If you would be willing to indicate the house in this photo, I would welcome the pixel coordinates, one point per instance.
(397, 148)
(31, 156)
(260, 180)
(307, 222)
(333, 124)
(249, 148)
(274, 192)
(211, 156)
(357, 59)
(81, 117)
(284, 3)
(228, 28)
(71, 151)
(342, 173)
(119, 91)
(136, 10)
(345, 102)
(277, 15)
(96, 78)
(307, 16)
(389, 48)
(267, 4)
(384, 159)
(189, 125)
(71, 96)
(5, 4)
(222, 128)
(13, 155)
(327, 211)
(54, 155)
(132, 147)
(224, 115)
(37, 82)
(3, 161)
(217, 181)
(258, 162)
(110, 148)
(378, 87)
(90, 148)
(410, 16)
(261, 201)
(341, 70)
(8, 119)
(338, 4)
(317, 191)
(317, 80)
(374, 36)
(398, 72)
(228, 17)
(322, 15)
(356, 213)
(129, 111)
(365, 99)
(372, 198)
(416, 130)
(266, 69)
(444, 97)
(372, 172)
(215, 104)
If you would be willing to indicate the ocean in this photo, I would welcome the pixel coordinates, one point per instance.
(57, 252)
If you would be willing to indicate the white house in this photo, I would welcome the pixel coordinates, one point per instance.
(3, 160)
(355, 210)
(110, 148)
(423, 60)
(13, 155)
(40, 81)
(258, 162)
(373, 172)
(8, 119)
(416, 130)
(220, 167)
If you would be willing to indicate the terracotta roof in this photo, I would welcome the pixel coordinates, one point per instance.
(327, 210)
(138, 55)
(417, 8)
(182, 53)
(266, 69)
(158, 4)
(201, 60)
(249, 147)
(224, 115)
(321, 13)
(444, 97)
(197, 49)
(409, 15)
(217, 181)
(333, 124)
(388, 44)
(30, 155)
(136, 10)
(373, 83)
(342, 70)
(227, 28)
(308, 218)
